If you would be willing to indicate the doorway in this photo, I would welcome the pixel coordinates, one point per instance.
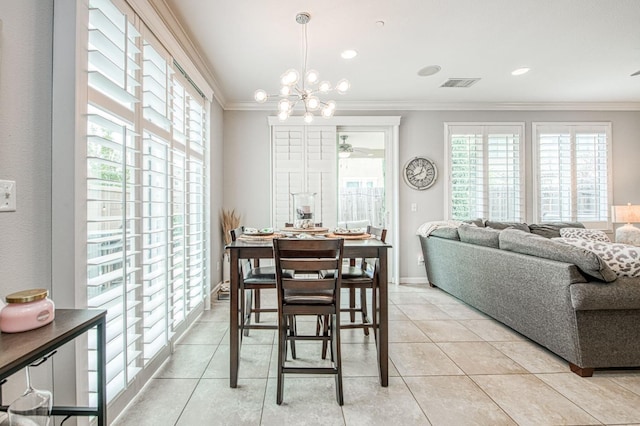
(361, 178)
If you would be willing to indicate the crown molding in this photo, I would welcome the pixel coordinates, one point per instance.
(168, 17)
(459, 106)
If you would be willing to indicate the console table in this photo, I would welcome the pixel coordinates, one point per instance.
(19, 350)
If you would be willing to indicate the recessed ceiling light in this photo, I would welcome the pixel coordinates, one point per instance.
(349, 54)
(380, 24)
(430, 70)
(520, 71)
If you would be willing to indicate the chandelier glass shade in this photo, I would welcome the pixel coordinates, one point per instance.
(304, 88)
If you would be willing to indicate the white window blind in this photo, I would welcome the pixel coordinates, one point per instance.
(304, 159)
(146, 192)
(572, 172)
(485, 171)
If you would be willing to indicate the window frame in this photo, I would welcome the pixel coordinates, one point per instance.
(571, 126)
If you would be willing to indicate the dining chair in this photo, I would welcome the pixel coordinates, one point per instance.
(307, 293)
(361, 277)
(252, 280)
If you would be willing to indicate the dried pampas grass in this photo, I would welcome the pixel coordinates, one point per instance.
(229, 220)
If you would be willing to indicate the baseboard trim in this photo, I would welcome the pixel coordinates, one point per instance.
(414, 280)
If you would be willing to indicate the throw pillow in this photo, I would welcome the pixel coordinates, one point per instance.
(536, 245)
(481, 236)
(623, 259)
(552, 229)
(584, 234)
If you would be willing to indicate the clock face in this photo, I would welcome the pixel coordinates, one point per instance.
(420, 173)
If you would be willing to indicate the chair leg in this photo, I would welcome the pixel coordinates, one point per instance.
(257, 305)
(282, 356)
(247, 310)
(292, 332)
(325, 333)
(363, 309)
(336, 356)
(352, 304)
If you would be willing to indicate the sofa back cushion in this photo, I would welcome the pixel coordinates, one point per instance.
(535, 245)
(504, 225)
(480, 236)
(449, 233)
(552, 229)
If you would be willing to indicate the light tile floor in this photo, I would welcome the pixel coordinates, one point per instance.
(449, 365)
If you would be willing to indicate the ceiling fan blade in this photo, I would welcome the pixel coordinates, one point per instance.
(635, 73)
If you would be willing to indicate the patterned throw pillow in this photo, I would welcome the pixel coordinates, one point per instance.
(584, 234)
(623, 259)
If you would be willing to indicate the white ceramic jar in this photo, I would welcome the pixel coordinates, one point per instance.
(26, 310)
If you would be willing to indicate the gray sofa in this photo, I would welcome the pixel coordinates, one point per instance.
(587, 321)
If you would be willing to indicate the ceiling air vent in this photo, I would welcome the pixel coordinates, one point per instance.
(460, 82)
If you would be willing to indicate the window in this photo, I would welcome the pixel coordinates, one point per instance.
(146, 191)
(486, 171)
(572, 172)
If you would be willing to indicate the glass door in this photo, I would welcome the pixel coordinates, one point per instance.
(361, 178)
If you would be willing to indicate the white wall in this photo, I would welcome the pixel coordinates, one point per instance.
(247, 170)
(25, 146)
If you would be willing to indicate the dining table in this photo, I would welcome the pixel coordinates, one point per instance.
(262, 248)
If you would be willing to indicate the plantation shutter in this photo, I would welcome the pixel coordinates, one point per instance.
(304, 159)
(572, 172)
(485, 172)
(146, 192)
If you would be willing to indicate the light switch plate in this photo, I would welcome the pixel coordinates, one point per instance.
(7, 196)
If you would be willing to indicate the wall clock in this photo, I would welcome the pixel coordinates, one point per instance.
(420, 173)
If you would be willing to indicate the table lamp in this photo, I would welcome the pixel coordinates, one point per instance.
(627, 234)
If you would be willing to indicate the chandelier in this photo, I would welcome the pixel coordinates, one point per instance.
(306, 90)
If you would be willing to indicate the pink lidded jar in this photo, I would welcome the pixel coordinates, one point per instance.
(26, 310)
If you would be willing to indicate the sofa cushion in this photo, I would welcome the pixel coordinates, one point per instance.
(623, 259)
(535, 245)
(552, 229)
(480, 236)
(584, 234)
(504, 225)
(449, 233)
(477, 222)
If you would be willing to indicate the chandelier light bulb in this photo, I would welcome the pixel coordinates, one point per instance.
(308, 117)
(324, 86)
(313, 103)
(290, 77)
(284, 105)
(312, 76)
(342, 86)
(283, 115)
(285, 91)
(260, 96)
(331, 105)
(327, 112)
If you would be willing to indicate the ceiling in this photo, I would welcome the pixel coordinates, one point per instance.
(579, 51)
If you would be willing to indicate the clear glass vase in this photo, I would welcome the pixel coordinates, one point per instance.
(303, 210)
(32, 408)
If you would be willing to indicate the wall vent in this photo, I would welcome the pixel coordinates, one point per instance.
(460, 82)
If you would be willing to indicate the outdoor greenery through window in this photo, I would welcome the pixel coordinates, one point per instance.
(146, 191)
(572, 172)
(486, 171)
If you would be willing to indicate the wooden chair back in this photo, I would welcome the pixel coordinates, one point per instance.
(307, 257)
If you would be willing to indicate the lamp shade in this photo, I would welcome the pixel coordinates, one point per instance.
(625, 214)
